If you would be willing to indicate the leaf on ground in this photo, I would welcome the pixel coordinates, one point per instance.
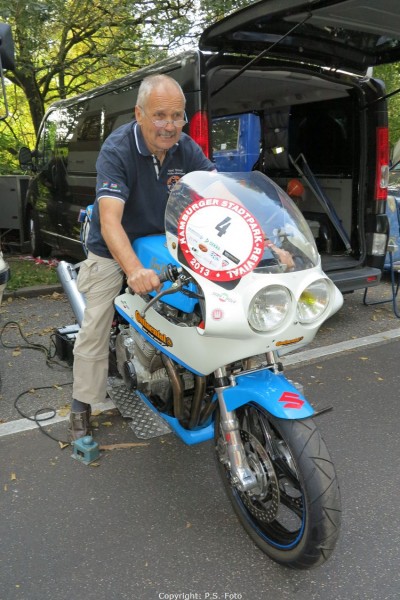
(364, 358)
(46, 330)
(5, 487)
(57, 387)
(13, 477)
(16, 352)
(94, 464)
(107, 424)
(64, 411)
(63, 445)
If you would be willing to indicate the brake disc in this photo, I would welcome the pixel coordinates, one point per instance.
(263, 500)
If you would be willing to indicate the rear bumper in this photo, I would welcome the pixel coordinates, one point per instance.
(356, 279)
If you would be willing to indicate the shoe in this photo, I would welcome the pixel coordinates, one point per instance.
(79, 425)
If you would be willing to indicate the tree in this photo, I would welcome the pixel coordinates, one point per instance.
(65, 47)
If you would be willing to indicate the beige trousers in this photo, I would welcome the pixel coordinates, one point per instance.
(100, 280)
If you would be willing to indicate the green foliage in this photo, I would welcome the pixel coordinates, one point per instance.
(16, 131)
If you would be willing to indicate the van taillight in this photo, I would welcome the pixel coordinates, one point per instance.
(198, 130)
(382, 163)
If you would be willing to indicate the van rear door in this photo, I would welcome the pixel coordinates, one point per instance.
(346, 34)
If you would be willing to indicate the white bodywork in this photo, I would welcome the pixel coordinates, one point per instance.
(229, 233)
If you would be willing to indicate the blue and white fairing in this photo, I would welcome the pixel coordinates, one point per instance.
(253, 259)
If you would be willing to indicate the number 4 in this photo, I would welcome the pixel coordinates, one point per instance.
(223, 226)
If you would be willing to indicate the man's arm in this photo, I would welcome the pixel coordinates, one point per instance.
(140, 280)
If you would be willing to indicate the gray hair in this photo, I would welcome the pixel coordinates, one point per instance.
(152, 82)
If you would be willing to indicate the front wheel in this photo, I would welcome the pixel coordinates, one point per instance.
(293, 513)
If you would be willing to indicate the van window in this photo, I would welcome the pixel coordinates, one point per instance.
(236, 142)
(225, 134)
(323, 132)
(47, 140)
(90, 130)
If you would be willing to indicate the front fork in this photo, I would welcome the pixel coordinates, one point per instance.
(242, 476)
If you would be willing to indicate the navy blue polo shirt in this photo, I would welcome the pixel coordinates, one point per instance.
(127, 170)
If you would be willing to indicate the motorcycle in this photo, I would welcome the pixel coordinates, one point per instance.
(242, 286)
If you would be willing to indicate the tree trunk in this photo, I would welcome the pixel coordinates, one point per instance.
(28, 83)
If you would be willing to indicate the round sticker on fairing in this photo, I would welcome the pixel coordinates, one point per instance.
(221, 239)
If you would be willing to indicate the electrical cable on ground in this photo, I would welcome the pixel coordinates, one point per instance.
(50, 362)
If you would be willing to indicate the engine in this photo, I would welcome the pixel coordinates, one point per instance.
(143, 367)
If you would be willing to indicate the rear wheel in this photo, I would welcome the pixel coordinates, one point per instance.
(293, 514)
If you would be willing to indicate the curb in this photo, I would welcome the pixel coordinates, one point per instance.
(33, 292)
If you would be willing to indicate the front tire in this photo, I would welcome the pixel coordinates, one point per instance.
(294, 512)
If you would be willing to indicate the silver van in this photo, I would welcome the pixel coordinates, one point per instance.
(279, 86)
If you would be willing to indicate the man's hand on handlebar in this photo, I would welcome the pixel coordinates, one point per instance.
(143, 281)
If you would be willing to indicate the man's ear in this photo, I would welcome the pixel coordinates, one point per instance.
(138, 114)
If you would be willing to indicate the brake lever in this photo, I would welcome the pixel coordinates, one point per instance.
(175, 287)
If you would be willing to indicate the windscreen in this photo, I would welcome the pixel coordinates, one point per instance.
(231, 224)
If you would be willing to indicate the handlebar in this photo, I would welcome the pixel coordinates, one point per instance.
(169, 273)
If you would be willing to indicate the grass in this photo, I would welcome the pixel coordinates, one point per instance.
(28, 273)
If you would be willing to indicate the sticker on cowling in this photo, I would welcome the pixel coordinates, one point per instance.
(154, 333)
(220, 239)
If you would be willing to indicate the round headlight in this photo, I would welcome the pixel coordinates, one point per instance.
(268, 308)
(313, 301)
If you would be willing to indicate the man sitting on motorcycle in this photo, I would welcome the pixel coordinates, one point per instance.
(137, 166)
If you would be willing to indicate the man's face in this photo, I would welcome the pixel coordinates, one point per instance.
(164, 103)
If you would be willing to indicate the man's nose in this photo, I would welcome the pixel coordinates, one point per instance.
(170, 125)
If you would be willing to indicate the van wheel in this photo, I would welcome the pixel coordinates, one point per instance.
(38, 247)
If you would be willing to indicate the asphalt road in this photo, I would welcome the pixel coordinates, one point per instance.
(152, 521)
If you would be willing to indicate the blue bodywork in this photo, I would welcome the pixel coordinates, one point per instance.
(272, 392)
(153, 253)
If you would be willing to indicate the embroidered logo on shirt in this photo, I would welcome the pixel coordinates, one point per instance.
(172, 180)
(113, 187)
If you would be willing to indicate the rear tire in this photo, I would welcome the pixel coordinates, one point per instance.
(294, 513)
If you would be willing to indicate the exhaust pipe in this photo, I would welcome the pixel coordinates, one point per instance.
(67, 274)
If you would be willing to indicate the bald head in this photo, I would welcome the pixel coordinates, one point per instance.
(163, 83)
